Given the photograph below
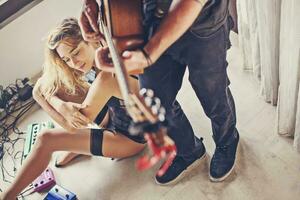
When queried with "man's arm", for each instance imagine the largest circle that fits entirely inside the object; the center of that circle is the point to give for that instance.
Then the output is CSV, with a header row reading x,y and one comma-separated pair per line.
x,y
181,16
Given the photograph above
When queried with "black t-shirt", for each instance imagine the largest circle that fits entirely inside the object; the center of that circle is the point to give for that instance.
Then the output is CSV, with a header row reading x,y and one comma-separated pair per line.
x,y
211,18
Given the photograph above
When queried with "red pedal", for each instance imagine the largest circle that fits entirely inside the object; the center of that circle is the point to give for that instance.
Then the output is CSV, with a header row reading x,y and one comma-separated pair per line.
x,y
44,181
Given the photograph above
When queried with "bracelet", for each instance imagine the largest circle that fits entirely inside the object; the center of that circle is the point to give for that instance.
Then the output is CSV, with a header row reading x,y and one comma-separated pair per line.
x,y
149,61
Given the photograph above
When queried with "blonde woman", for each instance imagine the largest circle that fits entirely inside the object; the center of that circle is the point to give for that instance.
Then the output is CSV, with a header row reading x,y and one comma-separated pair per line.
x,y
62,89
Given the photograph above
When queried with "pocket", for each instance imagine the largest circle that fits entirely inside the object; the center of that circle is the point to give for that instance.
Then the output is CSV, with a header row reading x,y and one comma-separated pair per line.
x,y
208,53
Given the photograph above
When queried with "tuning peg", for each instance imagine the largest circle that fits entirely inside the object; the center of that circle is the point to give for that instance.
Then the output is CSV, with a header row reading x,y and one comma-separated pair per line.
x,y
150,93
157,102
148,101
155,109
146,92
143,92
162,114
161,117
162,111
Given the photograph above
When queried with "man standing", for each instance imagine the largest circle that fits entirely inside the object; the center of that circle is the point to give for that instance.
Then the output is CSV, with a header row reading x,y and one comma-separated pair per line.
x,y
191,34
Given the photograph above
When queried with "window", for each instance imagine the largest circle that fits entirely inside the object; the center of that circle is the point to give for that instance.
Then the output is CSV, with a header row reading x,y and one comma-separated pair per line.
x,y
11,9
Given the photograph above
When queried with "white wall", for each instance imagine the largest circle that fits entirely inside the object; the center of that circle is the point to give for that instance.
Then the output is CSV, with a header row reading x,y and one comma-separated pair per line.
x,y
21,44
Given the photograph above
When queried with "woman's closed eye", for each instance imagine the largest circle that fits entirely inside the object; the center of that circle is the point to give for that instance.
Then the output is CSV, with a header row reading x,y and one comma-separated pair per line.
x,y
76,52
66,60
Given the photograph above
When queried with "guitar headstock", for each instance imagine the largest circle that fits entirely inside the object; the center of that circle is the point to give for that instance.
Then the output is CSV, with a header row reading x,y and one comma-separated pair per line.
x,y
149,119
147,113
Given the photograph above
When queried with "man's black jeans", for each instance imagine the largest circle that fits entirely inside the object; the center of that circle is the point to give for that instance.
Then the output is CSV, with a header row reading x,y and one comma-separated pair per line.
x,y
205,58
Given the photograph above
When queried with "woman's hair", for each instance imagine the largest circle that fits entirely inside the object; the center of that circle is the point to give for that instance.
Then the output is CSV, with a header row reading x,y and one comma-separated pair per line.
x,y
57,74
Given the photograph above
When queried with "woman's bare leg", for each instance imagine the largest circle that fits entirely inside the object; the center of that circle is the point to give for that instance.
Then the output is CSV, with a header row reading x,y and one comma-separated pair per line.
x,y
49,141
66,157
119,146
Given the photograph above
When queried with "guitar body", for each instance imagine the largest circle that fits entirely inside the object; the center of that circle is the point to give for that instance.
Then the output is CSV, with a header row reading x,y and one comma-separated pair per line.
x,y
124,19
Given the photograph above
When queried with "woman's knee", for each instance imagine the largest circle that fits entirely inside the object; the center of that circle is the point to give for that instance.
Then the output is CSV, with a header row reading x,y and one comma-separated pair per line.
x,y
45,138
139,147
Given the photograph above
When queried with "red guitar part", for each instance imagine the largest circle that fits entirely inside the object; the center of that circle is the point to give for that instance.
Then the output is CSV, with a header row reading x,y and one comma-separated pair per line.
x,y
168,152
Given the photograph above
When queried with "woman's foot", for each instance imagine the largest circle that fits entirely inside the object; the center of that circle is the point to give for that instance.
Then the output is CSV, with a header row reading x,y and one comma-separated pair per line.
x,y
65,158
6,196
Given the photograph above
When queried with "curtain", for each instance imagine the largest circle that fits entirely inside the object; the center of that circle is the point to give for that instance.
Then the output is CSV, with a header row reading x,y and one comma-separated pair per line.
x,y
269,36
288,112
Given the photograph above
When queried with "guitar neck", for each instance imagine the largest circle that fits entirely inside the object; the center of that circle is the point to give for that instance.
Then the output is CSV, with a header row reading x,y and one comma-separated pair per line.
x,y
121,73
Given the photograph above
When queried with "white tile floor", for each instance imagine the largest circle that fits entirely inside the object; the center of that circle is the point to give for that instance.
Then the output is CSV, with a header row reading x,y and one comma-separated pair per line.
x,y
268,168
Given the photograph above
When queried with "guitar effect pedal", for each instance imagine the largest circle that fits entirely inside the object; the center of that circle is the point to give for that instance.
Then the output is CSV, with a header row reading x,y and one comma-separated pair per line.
x,y
45,181
60,193
32,132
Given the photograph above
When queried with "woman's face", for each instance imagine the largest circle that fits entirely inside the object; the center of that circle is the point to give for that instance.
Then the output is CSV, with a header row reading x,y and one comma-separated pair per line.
x,y
80,57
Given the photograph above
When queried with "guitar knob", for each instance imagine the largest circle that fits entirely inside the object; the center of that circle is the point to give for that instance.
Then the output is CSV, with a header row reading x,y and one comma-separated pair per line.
x,y
162,111
162,114
150,93
157,102
161,117
143,92
148,101
155,109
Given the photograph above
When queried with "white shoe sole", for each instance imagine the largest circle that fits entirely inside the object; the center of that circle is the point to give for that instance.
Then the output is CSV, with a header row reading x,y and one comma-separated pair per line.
x,y
184,172
229,172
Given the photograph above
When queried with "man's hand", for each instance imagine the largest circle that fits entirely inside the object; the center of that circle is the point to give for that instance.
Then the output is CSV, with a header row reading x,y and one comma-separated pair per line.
x,y
88,21
134,61
103,60
181,16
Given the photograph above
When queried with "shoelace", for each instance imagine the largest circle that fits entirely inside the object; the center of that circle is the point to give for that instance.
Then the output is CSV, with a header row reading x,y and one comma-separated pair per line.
x,y
176,163
221,151
222,148
220,155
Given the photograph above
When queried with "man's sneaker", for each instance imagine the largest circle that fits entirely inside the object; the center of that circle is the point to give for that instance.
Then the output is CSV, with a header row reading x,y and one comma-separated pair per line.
x,y
179,169
223,160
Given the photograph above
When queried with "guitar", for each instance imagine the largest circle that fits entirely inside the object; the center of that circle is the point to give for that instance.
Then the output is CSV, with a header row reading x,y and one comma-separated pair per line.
x,y
146,111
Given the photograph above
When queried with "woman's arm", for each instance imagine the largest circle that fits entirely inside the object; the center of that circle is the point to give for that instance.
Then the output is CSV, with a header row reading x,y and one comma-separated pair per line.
x,y
102,89
63,108
39,98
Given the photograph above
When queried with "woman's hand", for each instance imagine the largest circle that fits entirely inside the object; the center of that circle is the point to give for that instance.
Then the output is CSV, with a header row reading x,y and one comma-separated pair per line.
x,y
73,116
